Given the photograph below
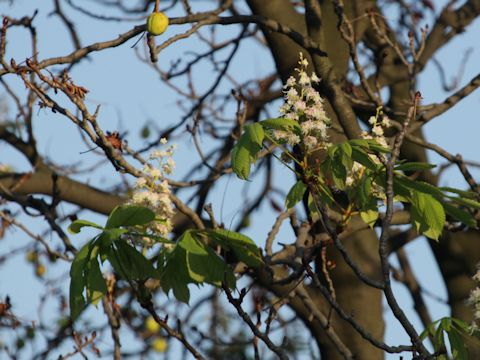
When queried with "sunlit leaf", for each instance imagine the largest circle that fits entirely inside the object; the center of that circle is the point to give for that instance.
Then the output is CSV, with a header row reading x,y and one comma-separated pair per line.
x,y
428,215
76,226
129,215
295,195
414,166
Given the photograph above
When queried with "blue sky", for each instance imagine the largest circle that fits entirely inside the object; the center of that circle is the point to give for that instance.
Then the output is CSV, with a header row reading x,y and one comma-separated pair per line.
x,y
130,93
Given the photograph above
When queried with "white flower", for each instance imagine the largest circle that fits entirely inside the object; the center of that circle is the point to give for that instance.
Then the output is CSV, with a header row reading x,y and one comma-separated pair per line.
x,y
474,296
152,191
292,95
377,130
372,120
315,78
310,142
141,182
385,121
293,139
476,277
304,79
163,141
300,105
303,62
291,82
155,173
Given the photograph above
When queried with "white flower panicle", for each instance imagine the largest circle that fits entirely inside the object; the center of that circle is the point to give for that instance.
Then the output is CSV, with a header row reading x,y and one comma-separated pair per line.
x,y
152,191
304,105
474,301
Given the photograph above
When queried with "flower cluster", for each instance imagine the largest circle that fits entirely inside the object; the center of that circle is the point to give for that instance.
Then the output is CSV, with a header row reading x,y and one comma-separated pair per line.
x,y
152,191
474,301
378,123
304,104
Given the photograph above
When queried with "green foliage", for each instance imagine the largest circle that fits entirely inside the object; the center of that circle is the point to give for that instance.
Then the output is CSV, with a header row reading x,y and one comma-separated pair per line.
x,y
429,205
192,260
245,151
427,214
296,193
456,330
76,226
129,215
243,248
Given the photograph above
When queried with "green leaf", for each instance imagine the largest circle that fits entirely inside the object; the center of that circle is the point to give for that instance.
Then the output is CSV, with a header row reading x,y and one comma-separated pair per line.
x,y
359,143
414,166
418,186
130,263
174,272
375,146
78,281
460,215
364,192
465,202
203,264
242,246
459,350
346,148
96,286
362,157
255,133
241,162
295,194
77,225
129,215
369,217
462,193
339,174
428,215
280,124
110,235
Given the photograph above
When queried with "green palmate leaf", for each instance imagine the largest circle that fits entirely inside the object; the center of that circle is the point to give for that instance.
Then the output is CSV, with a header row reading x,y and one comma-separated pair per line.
x,y
457,345
77,225
428,215
244,249
346,158
130,263
78,281
375,146
465,202
364,192
158,239
414,166
418,186
462,193
280,124
255,134
346,148
369,217
295,195
204,265
174,273
129,215
110,235
95,284
324,192
332,150
241,162
339,174
361,156
460,215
